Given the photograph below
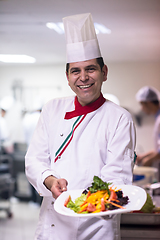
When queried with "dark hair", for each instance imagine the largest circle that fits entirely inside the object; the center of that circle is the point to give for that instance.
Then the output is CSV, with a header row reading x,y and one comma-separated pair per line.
x,y
155,102
99,61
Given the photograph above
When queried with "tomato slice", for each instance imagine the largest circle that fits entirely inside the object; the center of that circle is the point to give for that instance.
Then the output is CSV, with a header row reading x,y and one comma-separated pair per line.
x,y
113,196
67,201
91,207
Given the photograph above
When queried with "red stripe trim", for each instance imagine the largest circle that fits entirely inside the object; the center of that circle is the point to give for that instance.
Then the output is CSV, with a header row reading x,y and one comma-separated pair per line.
x,y
69,140
81,110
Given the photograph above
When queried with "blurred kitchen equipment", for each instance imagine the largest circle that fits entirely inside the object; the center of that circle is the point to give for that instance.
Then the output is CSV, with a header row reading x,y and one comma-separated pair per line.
x,y
138,225
155,188
144,175
6,183
140,218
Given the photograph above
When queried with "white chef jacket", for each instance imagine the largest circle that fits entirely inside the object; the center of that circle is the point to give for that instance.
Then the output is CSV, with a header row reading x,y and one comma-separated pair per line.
x,y
157,132
156,136
102,143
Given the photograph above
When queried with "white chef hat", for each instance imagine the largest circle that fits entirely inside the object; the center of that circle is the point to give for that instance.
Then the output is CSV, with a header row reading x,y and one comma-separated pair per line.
x,y
81,38
148,94
6,103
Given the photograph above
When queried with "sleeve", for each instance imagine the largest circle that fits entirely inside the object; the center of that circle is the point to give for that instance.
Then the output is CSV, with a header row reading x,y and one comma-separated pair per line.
x,y
37,159
120,153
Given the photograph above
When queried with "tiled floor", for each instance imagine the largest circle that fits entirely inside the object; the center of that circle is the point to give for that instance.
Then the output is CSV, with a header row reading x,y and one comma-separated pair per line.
x,y
22,225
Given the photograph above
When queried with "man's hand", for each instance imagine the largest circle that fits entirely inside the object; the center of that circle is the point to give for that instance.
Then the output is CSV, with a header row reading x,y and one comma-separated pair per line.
x,y
56,186
139,158
148,159
147,162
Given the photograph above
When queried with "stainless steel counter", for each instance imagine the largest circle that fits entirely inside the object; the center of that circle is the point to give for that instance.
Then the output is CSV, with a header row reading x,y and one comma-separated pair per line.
x,y
137,232
141,226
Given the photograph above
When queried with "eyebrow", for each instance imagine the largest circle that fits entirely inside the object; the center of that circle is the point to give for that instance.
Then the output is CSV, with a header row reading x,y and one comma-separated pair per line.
x,y
74,68
91,66
78,68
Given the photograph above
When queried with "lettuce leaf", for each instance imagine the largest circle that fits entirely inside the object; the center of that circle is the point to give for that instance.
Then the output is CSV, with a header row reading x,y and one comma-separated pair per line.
x,y
98,184
75,206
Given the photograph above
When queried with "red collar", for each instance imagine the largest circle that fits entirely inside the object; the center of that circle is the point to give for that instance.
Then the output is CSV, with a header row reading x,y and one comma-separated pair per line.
x,y
81,110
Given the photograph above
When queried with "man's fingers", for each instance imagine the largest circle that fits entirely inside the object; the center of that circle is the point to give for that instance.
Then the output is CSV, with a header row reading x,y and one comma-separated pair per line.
x,y
63,184
59,186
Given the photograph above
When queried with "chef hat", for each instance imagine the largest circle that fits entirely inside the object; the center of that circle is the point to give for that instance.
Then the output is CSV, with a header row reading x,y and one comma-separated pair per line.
x,y
81,38
148,94
6,103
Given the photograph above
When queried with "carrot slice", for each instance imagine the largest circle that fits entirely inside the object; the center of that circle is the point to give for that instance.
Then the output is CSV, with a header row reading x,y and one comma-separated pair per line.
x,y
83,203
103,208
88,194
119,206
83,208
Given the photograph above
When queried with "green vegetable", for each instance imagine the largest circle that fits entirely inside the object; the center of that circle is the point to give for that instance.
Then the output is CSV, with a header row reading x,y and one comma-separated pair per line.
x,y
98,184
148,206
75,206
80,200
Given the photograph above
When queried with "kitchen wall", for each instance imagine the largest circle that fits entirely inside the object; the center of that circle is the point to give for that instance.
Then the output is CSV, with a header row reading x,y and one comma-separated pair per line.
x,y
124,79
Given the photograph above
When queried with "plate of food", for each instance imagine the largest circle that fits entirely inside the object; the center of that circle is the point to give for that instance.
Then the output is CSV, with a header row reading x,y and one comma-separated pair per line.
x,y
100,199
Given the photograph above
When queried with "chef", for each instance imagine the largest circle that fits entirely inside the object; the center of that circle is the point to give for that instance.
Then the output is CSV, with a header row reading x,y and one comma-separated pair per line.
x,y
79,137
6,145
149,99
30,120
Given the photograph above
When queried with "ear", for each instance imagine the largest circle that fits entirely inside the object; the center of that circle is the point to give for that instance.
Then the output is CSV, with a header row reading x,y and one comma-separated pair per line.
x,y
105,72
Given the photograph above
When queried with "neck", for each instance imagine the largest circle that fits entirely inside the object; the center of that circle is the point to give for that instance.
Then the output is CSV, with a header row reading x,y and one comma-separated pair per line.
x,y
86,102
82,110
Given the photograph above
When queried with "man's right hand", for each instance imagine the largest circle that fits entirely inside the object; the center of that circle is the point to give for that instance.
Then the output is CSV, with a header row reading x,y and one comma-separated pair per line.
x,y
56,186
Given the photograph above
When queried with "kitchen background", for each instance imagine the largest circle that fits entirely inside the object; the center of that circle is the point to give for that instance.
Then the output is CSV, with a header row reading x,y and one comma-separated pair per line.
x,y
130,47
30,83
129,38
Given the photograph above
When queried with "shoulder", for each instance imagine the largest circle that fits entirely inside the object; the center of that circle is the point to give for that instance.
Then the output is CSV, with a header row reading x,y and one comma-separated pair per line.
x,y
115,110
55,109
58,103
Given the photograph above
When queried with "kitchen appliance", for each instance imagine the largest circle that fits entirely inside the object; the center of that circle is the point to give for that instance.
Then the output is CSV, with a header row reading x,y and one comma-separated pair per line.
x,y
143,175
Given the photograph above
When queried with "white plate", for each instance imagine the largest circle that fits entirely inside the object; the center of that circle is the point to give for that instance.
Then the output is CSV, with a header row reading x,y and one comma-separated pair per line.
x,y
137,198
155,185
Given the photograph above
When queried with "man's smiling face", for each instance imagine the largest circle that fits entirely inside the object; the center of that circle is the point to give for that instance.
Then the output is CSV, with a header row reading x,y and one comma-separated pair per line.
x,y
85,79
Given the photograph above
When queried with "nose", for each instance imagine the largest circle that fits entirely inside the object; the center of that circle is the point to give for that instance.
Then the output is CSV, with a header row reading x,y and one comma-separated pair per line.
x,y
84,76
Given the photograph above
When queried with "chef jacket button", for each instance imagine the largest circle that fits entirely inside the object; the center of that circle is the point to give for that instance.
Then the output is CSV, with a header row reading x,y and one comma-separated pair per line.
x,y
52,203
59,157
52,225
61,134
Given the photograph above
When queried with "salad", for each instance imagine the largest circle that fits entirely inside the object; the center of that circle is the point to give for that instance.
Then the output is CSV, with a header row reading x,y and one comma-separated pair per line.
x,y
99,197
